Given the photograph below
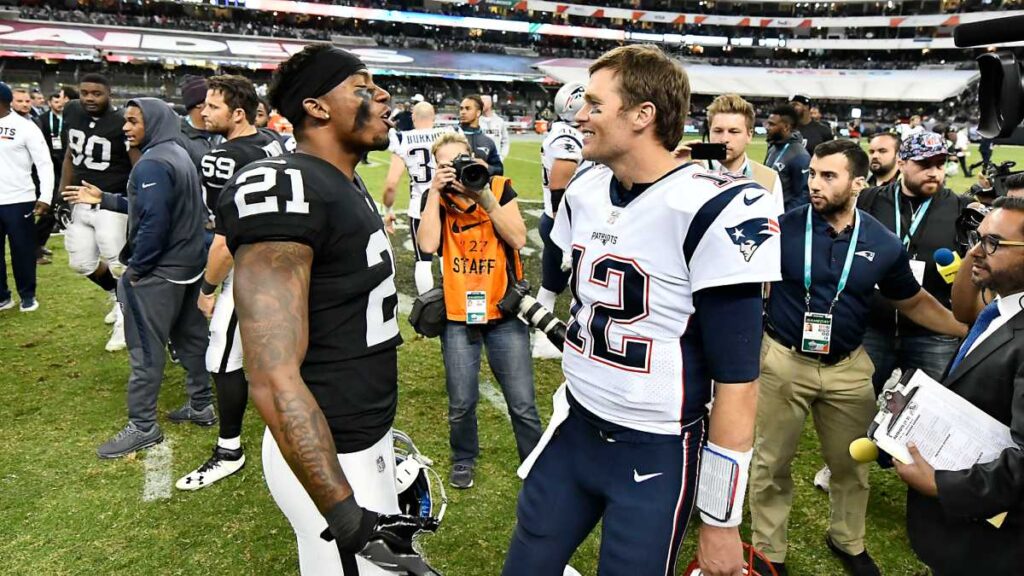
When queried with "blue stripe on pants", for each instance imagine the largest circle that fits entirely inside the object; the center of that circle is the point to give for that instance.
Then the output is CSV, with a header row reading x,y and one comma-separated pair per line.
x,y
643,487
18,224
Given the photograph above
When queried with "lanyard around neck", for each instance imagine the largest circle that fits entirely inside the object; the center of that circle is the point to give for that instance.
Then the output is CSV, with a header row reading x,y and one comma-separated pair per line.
x,y
847,266
916,220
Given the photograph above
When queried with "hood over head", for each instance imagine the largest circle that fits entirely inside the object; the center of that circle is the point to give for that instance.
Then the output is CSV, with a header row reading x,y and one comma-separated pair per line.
x,y
161,122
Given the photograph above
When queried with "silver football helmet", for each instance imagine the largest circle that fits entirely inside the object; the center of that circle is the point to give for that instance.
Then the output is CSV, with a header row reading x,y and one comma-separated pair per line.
x,y
569,101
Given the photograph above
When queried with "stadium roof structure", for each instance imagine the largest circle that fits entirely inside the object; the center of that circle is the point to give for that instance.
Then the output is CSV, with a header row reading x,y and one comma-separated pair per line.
x,y
920,85
63,41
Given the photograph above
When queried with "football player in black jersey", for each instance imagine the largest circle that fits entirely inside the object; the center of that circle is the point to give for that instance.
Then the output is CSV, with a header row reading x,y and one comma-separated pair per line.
x,y
317,309
229,112
97,154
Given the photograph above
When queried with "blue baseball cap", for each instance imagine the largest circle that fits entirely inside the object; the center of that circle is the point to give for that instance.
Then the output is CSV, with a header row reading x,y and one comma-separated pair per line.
x,y
6,96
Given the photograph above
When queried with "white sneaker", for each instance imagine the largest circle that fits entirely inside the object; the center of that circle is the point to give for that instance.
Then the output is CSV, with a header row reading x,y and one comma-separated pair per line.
x,y
543,348
111,316
222,464
822,479
116,341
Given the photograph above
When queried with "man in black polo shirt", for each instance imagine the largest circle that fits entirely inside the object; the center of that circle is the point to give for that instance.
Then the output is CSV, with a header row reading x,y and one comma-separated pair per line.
x,y
812,361
922,212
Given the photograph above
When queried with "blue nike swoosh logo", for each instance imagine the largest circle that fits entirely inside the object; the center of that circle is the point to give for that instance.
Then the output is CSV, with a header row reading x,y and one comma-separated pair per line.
x,y
750,201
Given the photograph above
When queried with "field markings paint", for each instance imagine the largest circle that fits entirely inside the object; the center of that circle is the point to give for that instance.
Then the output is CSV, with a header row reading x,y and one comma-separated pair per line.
x,y
491,393
157,465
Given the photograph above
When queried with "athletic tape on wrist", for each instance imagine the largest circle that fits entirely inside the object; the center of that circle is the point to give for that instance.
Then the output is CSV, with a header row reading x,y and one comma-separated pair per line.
x,y
722,486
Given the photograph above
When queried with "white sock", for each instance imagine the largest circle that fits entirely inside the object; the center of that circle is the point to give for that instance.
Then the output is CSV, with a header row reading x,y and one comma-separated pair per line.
x,y
230,443
424,277
547,298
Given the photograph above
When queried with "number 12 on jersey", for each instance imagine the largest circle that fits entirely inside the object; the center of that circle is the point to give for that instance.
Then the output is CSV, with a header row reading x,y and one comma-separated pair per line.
x,y
624,302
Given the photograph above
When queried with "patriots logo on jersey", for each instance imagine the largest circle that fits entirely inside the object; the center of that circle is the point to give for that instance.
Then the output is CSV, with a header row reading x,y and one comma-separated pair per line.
x,y
569,146
749,235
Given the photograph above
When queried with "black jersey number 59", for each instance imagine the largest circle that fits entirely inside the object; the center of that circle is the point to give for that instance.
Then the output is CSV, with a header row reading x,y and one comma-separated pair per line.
x,y
628,305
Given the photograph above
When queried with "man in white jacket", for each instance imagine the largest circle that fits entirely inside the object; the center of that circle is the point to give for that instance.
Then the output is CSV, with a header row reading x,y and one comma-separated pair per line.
x,y
21,146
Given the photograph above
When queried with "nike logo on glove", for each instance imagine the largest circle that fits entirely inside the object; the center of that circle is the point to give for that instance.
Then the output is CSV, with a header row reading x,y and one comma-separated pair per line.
x,y
638,477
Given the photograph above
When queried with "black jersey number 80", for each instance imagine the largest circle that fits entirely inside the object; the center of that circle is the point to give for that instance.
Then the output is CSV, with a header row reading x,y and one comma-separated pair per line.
x,y
629,305
93,151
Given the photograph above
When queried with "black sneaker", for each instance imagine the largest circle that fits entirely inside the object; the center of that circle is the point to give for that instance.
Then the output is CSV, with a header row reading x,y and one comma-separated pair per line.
x,y
204,417
763,569
857,565
222,464
130,439
462,476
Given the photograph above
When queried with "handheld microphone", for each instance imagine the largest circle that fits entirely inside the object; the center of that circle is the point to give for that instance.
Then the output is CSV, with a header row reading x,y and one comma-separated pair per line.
x,y
863,450
948,264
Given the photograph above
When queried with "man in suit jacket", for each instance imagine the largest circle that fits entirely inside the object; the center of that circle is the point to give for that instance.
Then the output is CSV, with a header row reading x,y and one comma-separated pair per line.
x,y
947,510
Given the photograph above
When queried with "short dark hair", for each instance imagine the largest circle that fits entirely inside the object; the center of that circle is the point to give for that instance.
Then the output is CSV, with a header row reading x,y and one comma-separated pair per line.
x,y
788,113
238,92
895,137
1014,181
1009,203
70,92
266,104
285,75
856,158
477,100
94,78
53,95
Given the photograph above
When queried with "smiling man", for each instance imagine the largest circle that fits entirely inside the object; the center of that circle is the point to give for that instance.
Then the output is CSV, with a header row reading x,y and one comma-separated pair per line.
x,y
668,261
164,259
318,312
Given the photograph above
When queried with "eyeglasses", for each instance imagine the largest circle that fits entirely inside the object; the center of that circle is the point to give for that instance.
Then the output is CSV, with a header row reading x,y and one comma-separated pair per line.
x,y
991,243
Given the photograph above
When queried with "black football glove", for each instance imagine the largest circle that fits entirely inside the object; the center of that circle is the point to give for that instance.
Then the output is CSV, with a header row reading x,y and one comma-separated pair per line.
x,y
349,525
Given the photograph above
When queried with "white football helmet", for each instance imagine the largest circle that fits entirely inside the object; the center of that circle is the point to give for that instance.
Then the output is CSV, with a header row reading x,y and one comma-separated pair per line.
x,y
417,481
569,101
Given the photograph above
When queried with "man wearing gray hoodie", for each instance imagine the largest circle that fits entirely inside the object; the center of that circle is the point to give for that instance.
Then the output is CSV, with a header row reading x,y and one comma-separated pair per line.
x,y
165,255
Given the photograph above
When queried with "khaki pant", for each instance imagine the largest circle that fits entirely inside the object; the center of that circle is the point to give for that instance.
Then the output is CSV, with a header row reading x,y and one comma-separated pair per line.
x,y
842,401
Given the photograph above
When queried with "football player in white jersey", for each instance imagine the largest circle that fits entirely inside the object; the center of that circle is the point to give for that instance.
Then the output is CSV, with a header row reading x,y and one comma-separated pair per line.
x,y
560,156
410,151
668,264
495,127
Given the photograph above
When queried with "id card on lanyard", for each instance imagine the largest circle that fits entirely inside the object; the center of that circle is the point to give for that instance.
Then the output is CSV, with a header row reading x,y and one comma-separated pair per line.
x,y
817,328
55,142
916,266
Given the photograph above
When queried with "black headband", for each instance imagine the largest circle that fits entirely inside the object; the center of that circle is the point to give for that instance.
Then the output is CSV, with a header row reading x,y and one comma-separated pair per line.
x,y
326,69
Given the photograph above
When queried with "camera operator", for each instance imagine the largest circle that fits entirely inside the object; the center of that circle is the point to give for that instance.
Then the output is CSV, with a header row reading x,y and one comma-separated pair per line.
x,y
474,220
967,298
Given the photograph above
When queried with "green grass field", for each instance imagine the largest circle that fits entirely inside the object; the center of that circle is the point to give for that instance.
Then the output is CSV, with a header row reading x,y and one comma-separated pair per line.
x,y
63,511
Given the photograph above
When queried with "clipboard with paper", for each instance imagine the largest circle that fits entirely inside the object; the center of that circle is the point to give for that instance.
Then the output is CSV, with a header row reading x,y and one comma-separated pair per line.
x,y
950,432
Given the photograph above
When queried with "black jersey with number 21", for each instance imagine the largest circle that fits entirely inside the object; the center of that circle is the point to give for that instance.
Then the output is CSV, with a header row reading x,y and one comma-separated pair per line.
x,y
353,303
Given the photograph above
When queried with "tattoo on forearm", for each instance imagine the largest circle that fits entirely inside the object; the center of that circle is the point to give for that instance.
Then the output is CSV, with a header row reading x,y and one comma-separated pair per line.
x,y
272,303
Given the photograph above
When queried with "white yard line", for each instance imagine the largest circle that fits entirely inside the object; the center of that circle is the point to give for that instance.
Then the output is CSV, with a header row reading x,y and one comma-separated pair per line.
x,y
534,237
491,393
157,464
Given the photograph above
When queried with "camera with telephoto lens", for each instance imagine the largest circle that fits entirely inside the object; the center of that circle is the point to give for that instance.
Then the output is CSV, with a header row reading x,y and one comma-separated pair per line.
x,y
518,301
473,175
1001,88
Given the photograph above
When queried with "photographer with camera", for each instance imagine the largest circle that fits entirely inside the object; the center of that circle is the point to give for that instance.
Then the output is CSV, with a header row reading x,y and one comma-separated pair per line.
x,y
474,219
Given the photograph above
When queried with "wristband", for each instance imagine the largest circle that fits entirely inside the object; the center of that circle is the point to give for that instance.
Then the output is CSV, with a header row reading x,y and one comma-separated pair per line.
x,y
207,289
722,485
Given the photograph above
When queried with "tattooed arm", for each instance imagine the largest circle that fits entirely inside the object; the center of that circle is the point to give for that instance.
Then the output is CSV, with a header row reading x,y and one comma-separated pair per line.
x,y
272,302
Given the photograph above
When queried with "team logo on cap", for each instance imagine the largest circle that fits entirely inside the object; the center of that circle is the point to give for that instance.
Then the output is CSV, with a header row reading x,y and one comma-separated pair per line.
x,y
751,234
